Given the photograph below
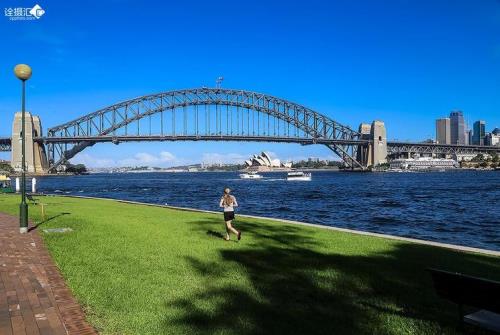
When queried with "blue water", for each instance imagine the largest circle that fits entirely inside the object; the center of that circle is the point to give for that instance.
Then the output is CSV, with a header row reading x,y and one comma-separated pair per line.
x,y
454,207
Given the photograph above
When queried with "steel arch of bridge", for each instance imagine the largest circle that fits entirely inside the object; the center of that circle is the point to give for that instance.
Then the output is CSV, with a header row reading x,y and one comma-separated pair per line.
x,y
203,114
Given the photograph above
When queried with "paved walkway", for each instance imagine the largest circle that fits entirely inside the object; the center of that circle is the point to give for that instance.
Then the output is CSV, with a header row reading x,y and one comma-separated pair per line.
x,y
34,298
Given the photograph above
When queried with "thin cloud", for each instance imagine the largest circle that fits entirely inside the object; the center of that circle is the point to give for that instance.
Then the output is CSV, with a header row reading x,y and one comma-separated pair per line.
x,y
41,36
163,159
92,161
218,158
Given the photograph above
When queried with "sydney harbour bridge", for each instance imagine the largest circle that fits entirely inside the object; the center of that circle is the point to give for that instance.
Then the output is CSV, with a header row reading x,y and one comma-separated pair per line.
x,y
214,114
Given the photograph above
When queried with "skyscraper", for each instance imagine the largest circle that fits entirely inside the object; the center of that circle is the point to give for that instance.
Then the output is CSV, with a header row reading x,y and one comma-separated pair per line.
x,y
468,137
457,128
479,133
443,131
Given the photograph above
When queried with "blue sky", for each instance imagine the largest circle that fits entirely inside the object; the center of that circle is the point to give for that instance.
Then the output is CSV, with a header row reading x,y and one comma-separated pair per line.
x,y
404,62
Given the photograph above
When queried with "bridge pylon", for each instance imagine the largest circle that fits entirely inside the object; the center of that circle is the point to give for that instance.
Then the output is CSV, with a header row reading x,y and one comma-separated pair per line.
x,y
364,154
379,143
36,158
375,152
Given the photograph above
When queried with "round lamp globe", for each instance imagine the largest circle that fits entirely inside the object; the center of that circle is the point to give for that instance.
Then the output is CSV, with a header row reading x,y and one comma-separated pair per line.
x,y
22,71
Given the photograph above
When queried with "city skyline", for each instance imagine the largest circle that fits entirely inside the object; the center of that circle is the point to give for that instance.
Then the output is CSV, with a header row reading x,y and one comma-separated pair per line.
x,y
381,64
454,130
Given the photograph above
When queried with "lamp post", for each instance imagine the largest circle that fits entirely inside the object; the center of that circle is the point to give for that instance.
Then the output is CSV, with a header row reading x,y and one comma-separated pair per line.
x,y
23,73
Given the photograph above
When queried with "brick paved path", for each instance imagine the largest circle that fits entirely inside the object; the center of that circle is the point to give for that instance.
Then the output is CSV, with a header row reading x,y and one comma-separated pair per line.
x,y
34,298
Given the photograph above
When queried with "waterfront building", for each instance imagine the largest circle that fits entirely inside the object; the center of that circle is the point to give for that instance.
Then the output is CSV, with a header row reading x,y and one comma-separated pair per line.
x,y
443,131
492,139
457,128
463,157
495,139
479,132
264,162
423,163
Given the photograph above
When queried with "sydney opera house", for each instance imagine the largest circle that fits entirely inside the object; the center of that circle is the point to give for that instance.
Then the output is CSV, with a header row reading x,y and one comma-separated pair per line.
x,y
264,162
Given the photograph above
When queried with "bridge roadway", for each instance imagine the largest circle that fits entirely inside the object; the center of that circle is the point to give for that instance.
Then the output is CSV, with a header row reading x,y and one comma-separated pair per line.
x,y
393,147
238,138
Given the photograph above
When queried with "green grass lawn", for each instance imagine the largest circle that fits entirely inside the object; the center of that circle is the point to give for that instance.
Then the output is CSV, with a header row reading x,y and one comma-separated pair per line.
x,y
147,270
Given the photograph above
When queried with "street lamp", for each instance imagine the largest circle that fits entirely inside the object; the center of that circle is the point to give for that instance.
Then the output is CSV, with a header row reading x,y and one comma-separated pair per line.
x,y
23,72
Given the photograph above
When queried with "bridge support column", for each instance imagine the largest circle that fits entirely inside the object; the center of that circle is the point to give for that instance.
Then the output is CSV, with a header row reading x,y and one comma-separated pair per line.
x,y
36,159
364,153
379,143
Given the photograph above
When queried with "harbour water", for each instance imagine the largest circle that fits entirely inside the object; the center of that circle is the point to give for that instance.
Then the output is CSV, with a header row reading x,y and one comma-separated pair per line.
x,y
460,207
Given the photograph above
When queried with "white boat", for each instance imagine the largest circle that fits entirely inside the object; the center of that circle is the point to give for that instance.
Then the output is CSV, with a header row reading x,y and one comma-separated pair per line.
x,y
299,176
250,175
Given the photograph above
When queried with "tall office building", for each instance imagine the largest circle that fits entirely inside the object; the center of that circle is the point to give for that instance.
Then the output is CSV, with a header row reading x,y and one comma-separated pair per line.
x,y
468,137
479,133
457,128
443,131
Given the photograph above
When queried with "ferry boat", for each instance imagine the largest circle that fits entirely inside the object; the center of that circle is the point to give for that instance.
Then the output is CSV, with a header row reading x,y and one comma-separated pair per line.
x,y
251,175
298,176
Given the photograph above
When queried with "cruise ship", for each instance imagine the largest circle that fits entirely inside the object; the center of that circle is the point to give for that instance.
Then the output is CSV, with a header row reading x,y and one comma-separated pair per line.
x,y
423,163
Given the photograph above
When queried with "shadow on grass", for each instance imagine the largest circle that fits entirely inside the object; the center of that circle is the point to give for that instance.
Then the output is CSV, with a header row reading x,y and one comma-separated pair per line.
x,y
215,234
47,220
220,235
296,289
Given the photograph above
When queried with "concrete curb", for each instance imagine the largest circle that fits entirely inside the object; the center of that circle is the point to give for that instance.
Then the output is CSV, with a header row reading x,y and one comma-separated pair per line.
x,y
345,230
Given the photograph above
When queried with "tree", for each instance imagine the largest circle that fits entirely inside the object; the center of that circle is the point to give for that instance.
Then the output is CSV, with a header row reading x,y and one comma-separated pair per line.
x,y
4,166
478,158
76,169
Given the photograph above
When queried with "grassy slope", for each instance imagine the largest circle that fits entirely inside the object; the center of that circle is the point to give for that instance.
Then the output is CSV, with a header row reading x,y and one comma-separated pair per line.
x,y
148,270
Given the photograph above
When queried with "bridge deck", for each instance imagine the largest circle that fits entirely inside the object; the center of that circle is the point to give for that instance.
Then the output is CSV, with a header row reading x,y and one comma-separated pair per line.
x,y
249,138
393,146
